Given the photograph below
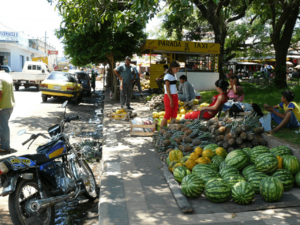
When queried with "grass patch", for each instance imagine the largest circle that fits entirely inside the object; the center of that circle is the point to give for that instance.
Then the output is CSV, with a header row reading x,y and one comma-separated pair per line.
x,y
261,95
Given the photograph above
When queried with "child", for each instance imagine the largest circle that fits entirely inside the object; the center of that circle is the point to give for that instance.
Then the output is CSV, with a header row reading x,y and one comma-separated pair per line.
x,y
291,117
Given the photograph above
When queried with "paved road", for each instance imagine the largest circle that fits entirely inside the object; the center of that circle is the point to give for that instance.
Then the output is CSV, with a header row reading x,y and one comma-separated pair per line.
x,y
32,114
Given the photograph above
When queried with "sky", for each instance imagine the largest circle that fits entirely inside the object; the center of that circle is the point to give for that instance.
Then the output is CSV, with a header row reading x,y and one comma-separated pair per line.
x,y
35,17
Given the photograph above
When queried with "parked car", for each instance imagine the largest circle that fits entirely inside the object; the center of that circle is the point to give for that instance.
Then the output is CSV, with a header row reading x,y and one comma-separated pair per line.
x,y
61,84
33,74
7,69
85,81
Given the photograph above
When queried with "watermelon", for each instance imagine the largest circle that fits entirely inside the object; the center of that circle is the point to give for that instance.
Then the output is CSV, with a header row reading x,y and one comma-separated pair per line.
x,y
248,170
247,150
256,151
291,163
297,179
286,178
233,179
271,189
237,158
192,186
217,159
255,179
217,190
229,170
281,150
184,159
222,165
213,166
212,147
168,161
243,193
199,168
266,162
208,175
180,172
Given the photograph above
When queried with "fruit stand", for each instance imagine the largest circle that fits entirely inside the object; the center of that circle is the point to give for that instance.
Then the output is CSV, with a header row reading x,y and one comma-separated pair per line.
x,y
225,159
200,59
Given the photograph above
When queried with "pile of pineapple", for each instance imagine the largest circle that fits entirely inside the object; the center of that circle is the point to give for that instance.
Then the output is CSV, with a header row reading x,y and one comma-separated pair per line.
x,y
119,117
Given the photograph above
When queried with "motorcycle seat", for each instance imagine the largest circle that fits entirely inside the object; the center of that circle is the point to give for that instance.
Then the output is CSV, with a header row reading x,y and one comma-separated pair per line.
x,y
37,158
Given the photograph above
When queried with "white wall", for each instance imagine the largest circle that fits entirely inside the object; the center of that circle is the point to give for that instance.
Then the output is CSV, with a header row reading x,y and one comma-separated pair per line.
x,y
16,52
201,81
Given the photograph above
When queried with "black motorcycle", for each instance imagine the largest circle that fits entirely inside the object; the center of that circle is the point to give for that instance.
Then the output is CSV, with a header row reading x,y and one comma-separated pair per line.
x,y
35,183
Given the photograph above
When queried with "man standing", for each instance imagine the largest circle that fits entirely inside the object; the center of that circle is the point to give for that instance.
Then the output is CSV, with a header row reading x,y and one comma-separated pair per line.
x,y
186,90
124,73
160,79
93,80
7,102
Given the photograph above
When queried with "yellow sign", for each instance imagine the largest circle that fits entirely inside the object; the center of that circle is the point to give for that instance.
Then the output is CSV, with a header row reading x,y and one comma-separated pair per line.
x,y
181,46
40,59
16,161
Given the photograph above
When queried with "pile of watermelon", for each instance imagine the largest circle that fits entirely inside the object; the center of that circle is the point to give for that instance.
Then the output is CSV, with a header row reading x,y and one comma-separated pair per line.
x,y
241,174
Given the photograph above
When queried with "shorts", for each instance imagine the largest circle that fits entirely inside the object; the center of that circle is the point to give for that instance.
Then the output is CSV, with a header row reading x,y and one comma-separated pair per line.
x,y
194,115
293,123
170,112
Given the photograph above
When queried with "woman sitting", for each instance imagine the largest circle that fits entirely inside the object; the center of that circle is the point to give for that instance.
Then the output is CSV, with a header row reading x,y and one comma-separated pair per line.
x,y
217,101
235,92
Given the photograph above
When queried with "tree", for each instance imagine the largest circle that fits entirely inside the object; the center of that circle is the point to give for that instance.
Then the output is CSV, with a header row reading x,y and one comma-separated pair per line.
x,y
282,16
88,38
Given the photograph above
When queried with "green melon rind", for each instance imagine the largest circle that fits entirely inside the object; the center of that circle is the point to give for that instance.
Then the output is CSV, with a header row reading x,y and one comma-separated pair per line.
x,y
201,167
212,147
208,175
271,189
256,151
255,178
192,186
222,165
291,163
242,193
229,170
217,190
286,178
281,150
180,172
217,159
266,163
237,158
248,170
233,179
297,179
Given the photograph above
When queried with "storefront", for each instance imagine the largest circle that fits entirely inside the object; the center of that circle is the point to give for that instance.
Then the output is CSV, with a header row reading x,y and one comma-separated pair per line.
x,y
200,60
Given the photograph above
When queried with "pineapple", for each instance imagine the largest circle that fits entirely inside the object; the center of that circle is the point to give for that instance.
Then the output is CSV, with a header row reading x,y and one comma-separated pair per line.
x,y
239,140
226,145
187,140
184,129
244,135
249,145
230,149
188,132
220,138
187,148
167,135
231,141
220,143
238,130
254,142
196,142
166,143
181,147
250,137
179,127
182,136
177,140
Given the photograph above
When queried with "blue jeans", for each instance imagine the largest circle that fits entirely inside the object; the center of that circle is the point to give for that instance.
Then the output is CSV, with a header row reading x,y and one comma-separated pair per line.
x,y
293,123
4,128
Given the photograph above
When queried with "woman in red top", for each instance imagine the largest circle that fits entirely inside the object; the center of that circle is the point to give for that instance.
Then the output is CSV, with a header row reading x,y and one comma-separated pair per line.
x,y
217,100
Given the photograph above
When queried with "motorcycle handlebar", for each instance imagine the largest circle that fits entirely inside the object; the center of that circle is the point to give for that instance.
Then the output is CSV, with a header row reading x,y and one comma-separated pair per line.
x,y
72,118
29,139
34,136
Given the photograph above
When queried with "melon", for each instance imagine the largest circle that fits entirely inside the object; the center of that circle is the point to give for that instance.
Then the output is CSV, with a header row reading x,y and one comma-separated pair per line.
x,y
237,158
171,165
208,175
286,178
213,167
256,151
217,190
168,161
297,179
291,163
212,147
192,186
233,179
248,170
243,193
247,150
217,159
281,150
184,159
271,189
229,170
221,152
175,155
222,165
201,167
180,172
255,179
208,153
266,162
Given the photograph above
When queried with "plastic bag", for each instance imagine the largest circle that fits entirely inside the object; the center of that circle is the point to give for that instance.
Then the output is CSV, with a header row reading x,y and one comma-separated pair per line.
x,y
148,121
266,122
137,121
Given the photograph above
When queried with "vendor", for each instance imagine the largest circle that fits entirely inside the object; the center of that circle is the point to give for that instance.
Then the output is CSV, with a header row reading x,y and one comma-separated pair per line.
x,y
217,101
171,97
235,92
186,91
160,80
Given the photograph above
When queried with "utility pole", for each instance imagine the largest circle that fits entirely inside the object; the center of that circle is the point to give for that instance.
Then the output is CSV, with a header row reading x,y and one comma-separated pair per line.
x,y
45,41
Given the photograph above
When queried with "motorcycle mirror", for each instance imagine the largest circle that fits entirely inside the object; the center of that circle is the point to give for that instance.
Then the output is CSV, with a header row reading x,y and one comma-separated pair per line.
x,y
64,104
21,132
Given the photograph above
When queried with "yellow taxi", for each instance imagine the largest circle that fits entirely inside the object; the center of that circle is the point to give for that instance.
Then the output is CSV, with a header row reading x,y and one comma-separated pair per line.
x,y
61,84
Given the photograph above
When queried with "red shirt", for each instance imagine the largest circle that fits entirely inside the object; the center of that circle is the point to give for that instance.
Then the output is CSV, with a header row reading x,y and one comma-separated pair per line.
x,y
214,100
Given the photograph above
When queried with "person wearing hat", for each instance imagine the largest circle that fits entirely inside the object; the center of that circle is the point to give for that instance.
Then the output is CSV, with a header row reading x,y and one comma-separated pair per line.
x,y
124,73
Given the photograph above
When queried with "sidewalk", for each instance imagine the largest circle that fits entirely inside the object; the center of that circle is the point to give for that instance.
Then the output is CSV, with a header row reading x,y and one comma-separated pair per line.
x,y
134,191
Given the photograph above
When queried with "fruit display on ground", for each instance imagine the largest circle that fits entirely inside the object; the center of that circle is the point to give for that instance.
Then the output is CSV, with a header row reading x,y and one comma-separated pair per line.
x,y
234,174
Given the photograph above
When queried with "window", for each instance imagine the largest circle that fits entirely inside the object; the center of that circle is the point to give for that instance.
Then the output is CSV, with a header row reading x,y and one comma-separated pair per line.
x,y
34,67
199,63
82,76
39,67
29,67
27,59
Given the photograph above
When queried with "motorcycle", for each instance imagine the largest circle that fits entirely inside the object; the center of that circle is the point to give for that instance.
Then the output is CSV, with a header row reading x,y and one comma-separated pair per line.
x,y
37,182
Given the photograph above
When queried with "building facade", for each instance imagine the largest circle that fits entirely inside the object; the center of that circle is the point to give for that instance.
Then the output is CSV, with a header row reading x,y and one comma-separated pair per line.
x,y
16,48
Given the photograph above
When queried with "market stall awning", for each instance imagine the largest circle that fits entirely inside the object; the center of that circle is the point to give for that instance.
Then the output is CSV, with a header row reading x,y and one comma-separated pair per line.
x,y
294,56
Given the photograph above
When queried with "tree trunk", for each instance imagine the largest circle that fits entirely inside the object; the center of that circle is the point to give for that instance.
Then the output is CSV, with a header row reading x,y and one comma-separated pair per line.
x,y
280,76
114,83
220,38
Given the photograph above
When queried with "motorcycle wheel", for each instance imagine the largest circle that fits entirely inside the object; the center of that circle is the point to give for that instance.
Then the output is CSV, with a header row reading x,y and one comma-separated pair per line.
x,y
90,184
20,214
